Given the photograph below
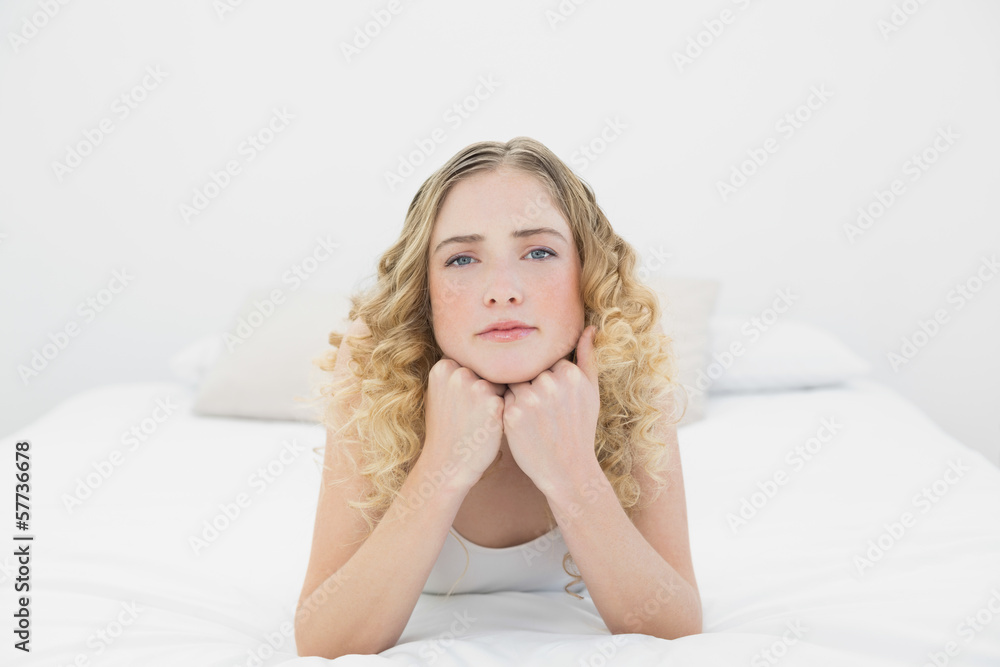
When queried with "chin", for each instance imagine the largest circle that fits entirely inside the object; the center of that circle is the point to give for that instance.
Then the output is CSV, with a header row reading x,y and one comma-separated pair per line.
x,y
501,372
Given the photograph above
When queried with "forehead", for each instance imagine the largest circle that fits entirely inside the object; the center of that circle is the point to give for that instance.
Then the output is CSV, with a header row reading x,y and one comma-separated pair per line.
x,y
503,199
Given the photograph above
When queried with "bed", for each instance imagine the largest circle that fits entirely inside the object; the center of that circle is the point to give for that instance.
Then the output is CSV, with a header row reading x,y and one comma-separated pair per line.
x,y
830,525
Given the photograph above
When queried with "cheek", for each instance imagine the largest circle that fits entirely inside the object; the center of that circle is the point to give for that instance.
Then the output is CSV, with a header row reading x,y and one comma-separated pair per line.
x,y
562,292
449,305
446,293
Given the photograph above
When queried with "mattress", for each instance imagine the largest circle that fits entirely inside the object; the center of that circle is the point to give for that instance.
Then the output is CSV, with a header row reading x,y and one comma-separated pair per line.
x,y
835,526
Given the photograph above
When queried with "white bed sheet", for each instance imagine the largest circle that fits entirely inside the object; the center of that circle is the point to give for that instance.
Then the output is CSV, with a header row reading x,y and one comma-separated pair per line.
x,y
121,563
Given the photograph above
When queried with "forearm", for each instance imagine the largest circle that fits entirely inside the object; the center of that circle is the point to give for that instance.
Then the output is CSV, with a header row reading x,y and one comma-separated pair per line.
x,y
633,587
364,606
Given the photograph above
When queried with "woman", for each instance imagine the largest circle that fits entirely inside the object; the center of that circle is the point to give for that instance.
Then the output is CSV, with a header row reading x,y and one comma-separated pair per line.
x,y
506,378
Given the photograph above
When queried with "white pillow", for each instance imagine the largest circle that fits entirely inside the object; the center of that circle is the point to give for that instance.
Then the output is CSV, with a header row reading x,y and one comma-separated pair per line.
x,y
193,361
687,306
788,354
265,375
264,369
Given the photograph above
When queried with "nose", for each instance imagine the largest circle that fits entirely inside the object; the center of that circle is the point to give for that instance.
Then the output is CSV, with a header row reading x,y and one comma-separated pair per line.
x,y
502,287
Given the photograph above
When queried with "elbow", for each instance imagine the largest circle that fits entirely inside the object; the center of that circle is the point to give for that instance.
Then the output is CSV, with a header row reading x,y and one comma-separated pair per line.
x,y
693,622
694,628
330,651
306,645
331,647
305,648
681,620
674,631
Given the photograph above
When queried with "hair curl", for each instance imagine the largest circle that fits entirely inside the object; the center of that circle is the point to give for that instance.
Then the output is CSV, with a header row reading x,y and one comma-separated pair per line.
x,y
390,365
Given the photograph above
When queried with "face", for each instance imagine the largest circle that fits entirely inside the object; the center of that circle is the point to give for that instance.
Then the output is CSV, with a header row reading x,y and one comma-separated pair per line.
x,y
502,250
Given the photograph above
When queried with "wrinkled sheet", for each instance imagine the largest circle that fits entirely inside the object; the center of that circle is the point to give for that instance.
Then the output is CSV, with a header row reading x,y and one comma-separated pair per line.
x,y
825,568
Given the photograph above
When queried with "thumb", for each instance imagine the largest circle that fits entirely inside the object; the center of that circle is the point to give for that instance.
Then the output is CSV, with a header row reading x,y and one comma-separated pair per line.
x,y
585,353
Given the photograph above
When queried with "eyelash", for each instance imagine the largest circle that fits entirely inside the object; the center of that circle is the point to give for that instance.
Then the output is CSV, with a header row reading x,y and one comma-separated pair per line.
x,y
542,259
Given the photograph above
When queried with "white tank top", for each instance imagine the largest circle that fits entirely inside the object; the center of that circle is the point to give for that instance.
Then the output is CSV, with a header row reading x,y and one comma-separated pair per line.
x,y
532,566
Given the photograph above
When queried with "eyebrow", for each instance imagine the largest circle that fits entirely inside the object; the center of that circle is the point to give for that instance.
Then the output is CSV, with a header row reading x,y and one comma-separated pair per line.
x,y
520,233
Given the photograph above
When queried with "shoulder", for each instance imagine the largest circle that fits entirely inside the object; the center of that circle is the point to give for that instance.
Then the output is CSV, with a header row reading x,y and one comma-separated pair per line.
x,y
357,329
345,376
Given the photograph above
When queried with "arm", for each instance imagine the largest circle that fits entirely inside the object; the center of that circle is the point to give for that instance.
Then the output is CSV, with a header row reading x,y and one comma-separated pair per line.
x,y
360,589
363,607
638,572
635,587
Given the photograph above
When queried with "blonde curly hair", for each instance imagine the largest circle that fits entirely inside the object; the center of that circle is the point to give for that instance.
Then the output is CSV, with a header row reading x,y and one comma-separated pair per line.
x,y
390,365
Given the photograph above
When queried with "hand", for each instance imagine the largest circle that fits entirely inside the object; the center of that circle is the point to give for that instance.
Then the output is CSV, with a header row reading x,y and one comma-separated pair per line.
x,y
463,422
551,421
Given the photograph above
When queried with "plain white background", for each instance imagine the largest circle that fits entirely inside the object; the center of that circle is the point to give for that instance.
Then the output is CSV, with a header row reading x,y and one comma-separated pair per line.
x,y
673,100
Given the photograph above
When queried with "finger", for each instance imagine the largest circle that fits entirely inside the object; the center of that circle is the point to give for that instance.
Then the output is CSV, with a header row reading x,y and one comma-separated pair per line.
x,y
585,353
508,400
499,389
517,387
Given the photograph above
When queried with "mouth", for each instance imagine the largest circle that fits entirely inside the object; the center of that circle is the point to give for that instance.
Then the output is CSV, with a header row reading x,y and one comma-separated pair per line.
x,y
506,325
507,335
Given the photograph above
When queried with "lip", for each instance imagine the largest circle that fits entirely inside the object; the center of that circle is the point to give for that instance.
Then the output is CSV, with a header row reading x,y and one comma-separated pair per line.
x,y
507,335
505,325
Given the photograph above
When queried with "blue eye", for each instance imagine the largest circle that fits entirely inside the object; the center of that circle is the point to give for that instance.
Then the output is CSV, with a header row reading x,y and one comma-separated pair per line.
x,y
543,250
455,259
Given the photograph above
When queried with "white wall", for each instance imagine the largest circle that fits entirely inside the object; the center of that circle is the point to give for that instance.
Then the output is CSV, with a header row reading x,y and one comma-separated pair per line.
x,y
684,129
